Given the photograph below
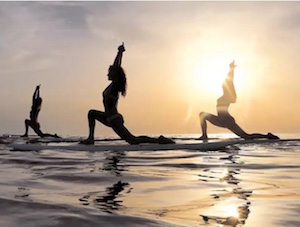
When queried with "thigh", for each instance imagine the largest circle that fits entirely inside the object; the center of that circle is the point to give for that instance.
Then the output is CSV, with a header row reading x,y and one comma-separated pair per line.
x,y
123,132
33,124
215,120
118,126
229,122
99,116
236,129
36,128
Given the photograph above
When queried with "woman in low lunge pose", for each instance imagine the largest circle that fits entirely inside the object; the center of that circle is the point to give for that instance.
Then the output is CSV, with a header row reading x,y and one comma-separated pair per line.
x,y
33,122
224,119
111,117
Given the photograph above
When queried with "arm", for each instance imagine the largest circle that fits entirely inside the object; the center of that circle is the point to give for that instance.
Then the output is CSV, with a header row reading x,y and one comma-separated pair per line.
x,y
231,71
118,59
228,85
36,94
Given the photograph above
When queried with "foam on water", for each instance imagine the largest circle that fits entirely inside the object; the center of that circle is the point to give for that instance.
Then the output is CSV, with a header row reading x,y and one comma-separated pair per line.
x,y
244,185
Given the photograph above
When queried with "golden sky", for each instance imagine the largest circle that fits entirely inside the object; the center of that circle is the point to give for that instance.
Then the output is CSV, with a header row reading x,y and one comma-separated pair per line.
x,y
177,55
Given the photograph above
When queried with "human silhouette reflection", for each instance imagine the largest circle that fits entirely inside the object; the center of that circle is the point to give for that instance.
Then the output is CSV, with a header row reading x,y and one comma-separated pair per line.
x,y
111,201
242,210
228,176
33,122
111,117
232,159
112,163
223,118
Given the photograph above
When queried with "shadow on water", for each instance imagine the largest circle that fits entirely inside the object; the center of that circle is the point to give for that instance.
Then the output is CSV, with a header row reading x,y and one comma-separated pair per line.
x,y
237,214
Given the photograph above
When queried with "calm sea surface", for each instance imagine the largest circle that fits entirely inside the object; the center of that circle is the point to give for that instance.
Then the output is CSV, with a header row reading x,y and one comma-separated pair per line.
x,y
255,185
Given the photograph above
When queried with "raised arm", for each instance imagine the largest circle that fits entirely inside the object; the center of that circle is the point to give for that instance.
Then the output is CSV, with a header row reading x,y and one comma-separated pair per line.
x,y
228,85
36,94
118,59
231,70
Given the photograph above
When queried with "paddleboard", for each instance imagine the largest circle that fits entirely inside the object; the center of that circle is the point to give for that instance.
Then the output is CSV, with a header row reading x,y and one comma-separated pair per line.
x,y
7,138
203,146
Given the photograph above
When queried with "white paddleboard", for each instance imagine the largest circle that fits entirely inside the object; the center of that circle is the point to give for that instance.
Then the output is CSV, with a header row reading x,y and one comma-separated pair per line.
x,y
203,146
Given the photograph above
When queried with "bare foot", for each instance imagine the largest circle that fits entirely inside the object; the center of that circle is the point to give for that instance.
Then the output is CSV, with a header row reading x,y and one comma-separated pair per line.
x,y
203,137
164,140
272,136
87,142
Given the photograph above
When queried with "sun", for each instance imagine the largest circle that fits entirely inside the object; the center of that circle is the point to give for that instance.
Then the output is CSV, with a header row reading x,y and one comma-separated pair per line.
x,y
206,75
203,75
210,74
204,64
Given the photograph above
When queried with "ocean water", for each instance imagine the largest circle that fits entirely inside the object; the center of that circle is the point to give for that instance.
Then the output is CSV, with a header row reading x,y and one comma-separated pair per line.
x,y
243,185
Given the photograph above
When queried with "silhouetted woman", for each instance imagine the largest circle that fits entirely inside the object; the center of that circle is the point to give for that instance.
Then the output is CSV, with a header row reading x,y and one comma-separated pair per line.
x,y
35,109
224,119
111,117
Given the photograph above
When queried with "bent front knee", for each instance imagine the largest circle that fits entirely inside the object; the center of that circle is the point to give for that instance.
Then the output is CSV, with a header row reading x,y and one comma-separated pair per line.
x,y
91,114
203,115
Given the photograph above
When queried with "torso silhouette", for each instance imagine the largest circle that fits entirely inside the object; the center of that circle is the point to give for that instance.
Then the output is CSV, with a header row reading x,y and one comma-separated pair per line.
x,y
110,100
35,109
228,97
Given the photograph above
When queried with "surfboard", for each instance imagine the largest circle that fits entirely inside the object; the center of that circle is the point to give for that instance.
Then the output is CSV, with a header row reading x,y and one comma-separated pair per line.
x,y
203,146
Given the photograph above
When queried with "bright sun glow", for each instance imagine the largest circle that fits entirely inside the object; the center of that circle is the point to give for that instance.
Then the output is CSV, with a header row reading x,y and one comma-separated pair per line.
x,y
231,211
205,66
208,75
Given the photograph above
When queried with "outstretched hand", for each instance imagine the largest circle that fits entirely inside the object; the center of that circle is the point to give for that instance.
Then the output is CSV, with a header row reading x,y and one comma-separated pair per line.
x,y
121,48
232,65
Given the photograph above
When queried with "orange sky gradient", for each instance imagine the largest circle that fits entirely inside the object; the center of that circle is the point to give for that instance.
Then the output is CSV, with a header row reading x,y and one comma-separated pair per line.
x,y
177,55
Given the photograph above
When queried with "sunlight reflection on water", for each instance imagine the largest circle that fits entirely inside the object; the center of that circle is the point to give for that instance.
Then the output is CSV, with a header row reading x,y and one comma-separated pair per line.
x,y
217,188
